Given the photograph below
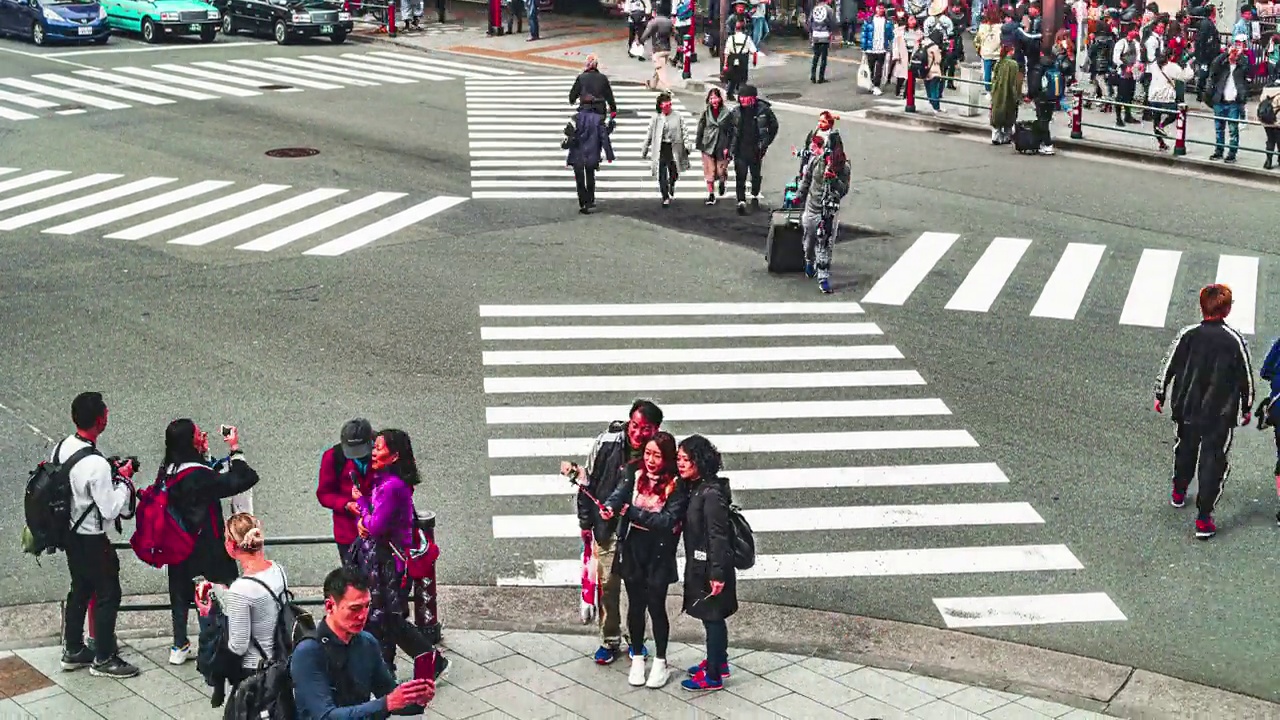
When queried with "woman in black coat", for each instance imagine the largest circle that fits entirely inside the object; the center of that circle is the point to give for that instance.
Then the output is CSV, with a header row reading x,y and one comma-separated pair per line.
x,y
710,587
196,491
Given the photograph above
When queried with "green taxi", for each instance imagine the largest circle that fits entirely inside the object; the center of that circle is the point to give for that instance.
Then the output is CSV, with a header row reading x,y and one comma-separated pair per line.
x,y
155,19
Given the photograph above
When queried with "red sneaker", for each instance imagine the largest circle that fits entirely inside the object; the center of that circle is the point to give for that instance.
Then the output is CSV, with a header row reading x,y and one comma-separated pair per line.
x,y
1177,499
1205,528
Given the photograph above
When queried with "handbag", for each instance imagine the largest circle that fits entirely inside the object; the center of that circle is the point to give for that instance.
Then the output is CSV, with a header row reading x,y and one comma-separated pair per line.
x,y
636,50
864,76
420,558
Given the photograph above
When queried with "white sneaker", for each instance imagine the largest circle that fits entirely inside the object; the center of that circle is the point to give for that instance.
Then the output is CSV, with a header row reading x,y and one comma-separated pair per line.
x,y
1046,149
636,676
178,656
658,674
877,91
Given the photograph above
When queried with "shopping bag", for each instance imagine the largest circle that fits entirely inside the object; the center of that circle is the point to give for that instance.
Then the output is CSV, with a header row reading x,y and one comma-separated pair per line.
x,y
864,77
636,51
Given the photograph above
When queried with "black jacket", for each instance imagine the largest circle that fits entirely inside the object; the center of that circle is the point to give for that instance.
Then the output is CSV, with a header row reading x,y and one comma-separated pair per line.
x,y
608,466
1208,365
766,129
596,84
1208,42
1218,71
663,528
197,499
708,550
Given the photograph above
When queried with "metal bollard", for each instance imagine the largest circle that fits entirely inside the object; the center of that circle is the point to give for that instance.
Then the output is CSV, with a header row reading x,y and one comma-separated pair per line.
x,y
1180,142
911,91
1077,116
426,608
391,18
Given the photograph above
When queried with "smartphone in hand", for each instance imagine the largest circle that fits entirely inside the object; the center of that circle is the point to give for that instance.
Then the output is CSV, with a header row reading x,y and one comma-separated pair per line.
x,y
424,666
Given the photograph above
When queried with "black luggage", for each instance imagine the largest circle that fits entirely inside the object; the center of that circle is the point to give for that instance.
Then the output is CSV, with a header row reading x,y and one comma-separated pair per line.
x,y
784,249
1024,139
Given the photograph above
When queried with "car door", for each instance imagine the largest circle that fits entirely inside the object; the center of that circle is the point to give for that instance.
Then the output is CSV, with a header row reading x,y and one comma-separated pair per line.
x,y
6,11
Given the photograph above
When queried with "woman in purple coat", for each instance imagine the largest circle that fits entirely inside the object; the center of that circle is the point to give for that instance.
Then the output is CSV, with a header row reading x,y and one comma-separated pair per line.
x,y
386,533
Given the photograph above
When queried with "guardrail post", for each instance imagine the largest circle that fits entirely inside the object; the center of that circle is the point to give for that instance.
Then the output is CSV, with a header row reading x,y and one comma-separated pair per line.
x,y
391,18
1180,141
426,608
911,91
1077,114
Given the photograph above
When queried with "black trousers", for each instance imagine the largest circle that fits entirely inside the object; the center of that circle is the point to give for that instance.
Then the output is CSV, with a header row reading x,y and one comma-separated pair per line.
x,y
877,68
741,168
344,552
1044,121
1273,138
642,599
818,70
95,573
1201,451
668,173
585,179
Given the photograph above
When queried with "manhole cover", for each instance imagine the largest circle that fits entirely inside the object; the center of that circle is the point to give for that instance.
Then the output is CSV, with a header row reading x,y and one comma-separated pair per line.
x,y
277,87
292,152
69,108
784,96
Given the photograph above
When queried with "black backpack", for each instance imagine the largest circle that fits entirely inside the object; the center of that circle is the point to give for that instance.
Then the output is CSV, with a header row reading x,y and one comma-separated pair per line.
x,y
1267,111
919,66
47,504
741,537
267,694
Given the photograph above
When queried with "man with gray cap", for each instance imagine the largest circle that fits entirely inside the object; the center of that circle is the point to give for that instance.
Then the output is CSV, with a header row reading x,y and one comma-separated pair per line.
x,y
342,466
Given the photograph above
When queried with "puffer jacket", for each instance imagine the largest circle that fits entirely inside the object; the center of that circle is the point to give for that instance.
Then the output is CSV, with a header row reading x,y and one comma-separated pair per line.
x,y
766,127
708,548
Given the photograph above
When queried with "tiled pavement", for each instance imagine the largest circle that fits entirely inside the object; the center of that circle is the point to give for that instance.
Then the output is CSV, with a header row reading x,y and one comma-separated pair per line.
x,y
536,677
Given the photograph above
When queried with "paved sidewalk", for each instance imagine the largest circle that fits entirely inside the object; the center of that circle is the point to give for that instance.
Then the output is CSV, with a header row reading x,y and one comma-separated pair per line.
x,y
532,676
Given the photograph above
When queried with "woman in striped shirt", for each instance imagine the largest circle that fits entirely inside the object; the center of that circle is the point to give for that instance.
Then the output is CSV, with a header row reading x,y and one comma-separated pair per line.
x,y
250,602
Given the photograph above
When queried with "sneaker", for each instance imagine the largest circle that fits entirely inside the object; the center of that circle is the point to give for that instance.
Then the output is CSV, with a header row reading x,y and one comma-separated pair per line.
x,y
1046,149
113,667
1216,156
1230,159
877,91
1277,523
658,674
666,202
711,199
742,208
1205,528
77,660
179,655
606,655
809,272
701,683
1177,499
636,677
702,668
825,286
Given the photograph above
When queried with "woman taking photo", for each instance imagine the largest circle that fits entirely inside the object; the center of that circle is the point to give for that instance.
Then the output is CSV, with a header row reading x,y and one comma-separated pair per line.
x,y
652,507
386,534
196,492
666,133
710,592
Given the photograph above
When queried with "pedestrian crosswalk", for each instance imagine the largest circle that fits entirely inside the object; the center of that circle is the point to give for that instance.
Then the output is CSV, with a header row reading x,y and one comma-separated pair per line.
x,y
515,127
262,218
77,92
800,397
1078,267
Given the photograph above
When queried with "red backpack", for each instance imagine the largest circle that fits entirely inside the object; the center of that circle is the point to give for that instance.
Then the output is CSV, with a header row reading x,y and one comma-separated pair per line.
x,y
159,537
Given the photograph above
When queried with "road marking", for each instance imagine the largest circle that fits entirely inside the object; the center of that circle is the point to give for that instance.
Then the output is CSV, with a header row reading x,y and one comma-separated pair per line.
x,y
315,224
791,479
897,284
1152,288
368,70
864,563
64,94
558,195
1240,273
637,332
384,227
727,381
573,414
257,217
192,214
987,278
188,82
971,612
27,100
56,190
801,519
489,70
221,77
6,171
166,48
289,72
32,179
629,356
763,443
127,211
395,66
80,203
270,78
10,114
104,89
396,61
145,85
341,71
1065,291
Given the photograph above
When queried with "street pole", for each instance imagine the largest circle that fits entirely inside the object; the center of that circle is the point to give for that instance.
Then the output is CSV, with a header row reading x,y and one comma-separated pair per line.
x,y
495,17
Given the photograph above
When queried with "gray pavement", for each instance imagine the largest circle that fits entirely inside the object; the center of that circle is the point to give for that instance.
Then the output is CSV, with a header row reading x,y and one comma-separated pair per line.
x,y
288,345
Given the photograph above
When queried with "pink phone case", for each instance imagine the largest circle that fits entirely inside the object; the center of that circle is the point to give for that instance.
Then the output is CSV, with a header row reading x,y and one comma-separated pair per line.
x,y
424,666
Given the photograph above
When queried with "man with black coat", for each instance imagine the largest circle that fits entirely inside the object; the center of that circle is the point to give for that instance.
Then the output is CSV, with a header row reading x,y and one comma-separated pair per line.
x,y
1208,366
751,128
593,84
1208,45
1229,88
614,460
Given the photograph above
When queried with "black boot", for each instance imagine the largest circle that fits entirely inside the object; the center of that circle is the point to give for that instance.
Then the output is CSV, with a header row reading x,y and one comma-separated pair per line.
x,y
1268,164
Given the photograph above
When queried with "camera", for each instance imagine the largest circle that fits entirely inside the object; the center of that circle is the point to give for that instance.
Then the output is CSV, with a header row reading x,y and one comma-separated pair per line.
x,y
130,462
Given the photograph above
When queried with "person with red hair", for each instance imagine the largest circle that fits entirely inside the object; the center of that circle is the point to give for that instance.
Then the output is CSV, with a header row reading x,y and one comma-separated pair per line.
x,y
1208,366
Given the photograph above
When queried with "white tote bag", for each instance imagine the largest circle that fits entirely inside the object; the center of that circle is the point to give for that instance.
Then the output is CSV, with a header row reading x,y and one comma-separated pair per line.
x,y
636,51
864,77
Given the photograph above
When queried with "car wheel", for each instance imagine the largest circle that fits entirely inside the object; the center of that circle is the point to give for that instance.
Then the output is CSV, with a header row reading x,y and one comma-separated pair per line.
x,y
228,25
282,33
339,38
37,33
151,33
208,33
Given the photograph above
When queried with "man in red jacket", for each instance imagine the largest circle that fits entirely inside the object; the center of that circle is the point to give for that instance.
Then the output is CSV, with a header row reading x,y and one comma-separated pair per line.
x,y
342,466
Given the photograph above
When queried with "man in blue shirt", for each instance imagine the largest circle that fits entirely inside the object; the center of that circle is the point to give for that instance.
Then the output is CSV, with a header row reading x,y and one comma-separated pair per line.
x,y
341,676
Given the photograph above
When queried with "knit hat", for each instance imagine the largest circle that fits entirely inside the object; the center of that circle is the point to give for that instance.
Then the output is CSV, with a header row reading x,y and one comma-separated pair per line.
x,y
747,91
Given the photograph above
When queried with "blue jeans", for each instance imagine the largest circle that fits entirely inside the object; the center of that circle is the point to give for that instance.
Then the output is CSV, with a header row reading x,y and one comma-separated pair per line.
x,y
533,18
759,30
933,90
1230,111
987,67
717,647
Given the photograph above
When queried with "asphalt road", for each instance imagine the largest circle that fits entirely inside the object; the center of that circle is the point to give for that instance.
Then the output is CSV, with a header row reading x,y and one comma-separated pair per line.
x,y
288,345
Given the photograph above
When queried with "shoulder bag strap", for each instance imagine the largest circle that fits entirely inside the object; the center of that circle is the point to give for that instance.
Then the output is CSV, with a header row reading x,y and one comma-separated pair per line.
x,y
71,462
278,599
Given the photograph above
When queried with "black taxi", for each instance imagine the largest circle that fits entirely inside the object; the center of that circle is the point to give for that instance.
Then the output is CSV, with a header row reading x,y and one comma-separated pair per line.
x,y
286,20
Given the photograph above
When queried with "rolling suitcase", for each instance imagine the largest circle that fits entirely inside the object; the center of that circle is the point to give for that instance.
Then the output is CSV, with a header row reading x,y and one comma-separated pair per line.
x,y
784,249
1024,139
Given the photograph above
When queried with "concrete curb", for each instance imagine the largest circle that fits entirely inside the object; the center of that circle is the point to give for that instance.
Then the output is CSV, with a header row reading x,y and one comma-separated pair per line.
x,y
1069,679
1084,146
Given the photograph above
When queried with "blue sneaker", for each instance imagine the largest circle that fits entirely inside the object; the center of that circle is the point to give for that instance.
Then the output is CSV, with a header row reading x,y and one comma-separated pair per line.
x,y
644,652
809,272
825,286
702,668
606,655
701,683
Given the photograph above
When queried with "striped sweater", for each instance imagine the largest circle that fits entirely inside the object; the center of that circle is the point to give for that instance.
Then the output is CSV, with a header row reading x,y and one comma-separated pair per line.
x,y
251,612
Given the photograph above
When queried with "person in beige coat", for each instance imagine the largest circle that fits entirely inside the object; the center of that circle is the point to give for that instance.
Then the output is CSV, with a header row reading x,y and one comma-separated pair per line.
x,y
906,38
666,133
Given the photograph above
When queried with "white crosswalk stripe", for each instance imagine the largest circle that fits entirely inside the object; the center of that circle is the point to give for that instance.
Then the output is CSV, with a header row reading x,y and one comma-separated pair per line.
x,y
865,389
202,213
518,124
1151,280
77,92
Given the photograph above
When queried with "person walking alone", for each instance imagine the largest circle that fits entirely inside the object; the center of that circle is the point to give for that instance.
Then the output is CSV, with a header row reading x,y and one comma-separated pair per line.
x,y
666,132
586,139
822,24
659,31
1208,366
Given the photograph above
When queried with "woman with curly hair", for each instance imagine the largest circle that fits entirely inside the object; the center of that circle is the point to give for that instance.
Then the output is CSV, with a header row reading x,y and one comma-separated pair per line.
x,y
652,507
710,588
